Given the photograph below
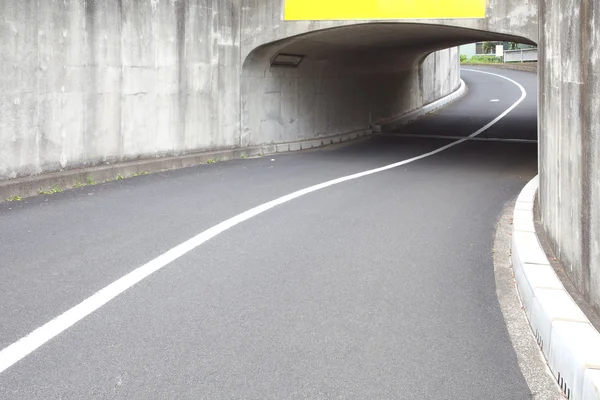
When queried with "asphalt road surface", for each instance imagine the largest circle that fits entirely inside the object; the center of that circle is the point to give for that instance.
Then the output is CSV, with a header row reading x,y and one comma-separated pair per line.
x,y
380,287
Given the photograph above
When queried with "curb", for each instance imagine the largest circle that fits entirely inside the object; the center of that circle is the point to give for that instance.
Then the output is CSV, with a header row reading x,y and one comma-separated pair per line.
x,y
525,67
32,185
567,339
394,123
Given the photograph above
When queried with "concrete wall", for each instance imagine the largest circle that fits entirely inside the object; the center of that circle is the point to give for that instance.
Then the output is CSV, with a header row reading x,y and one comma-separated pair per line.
x,y
570,137
87,82
83,82
338,94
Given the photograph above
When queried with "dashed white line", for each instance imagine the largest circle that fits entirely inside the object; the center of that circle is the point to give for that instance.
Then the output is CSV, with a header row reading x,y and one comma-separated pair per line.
x,y
26,345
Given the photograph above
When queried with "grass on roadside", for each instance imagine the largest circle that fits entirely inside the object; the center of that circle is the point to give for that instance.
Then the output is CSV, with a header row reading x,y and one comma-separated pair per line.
x,y
480,59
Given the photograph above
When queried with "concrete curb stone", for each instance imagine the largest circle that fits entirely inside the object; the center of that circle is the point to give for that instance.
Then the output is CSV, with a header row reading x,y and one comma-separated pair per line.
x,y
32,185
567,339
526,67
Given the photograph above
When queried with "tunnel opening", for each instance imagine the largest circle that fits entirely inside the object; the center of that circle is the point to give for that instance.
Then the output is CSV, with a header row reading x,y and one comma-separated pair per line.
x,y
346,79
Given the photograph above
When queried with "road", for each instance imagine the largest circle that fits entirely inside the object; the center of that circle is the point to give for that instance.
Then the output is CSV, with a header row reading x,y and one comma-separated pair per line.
x,y
379,287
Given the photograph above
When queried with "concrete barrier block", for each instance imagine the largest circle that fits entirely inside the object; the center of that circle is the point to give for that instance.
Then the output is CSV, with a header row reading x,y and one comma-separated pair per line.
x,y
524,225
527,195
267,149
523,214
528,249
533,184
591,385
523,287
574,348
549,305
524,205
516,262
311,144
297,146
533,277
305,145
282,148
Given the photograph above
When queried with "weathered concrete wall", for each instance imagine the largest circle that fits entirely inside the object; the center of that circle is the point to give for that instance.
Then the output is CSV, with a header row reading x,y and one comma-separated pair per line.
x,y
570,137
84,82
336,94
87,82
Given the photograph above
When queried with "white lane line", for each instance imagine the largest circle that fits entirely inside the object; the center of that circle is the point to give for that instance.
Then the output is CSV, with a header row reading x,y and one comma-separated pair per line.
x,y
26,345
449,137
494,100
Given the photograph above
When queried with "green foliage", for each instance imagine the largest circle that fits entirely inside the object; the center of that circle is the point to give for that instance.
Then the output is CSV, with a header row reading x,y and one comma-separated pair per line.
x,y
55,189
78,184
485,59
489,47
90,181
463,58
211,161
14,198
119,177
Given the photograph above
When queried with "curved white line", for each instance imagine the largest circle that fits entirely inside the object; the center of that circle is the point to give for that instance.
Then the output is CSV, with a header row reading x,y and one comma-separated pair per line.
x,y
26,345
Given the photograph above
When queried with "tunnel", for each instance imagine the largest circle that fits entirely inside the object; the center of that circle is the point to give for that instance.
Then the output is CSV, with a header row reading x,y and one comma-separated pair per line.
x,y
345,79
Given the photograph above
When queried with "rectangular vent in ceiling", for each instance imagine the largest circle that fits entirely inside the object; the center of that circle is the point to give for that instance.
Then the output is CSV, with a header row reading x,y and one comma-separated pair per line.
x,y
286,60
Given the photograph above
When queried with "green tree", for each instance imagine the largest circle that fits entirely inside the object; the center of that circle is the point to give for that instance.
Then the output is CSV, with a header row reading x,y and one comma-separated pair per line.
x,y
489,47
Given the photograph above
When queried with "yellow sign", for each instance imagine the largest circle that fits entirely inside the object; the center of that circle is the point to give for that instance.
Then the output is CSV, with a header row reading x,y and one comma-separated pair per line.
x,y
313,10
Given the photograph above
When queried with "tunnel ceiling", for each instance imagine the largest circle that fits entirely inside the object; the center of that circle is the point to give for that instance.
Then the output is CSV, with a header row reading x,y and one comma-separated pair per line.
x,y
376,37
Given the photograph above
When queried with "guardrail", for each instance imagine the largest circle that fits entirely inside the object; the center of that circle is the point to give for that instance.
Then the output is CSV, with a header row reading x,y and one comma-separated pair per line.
x,y
521,55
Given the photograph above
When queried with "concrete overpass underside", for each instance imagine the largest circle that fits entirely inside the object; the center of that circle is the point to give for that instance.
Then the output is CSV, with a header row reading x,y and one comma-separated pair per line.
x,y
349,77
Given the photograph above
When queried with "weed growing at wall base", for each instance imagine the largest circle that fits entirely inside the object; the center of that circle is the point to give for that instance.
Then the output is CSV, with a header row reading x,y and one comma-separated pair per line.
x,y
54,189
14,198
